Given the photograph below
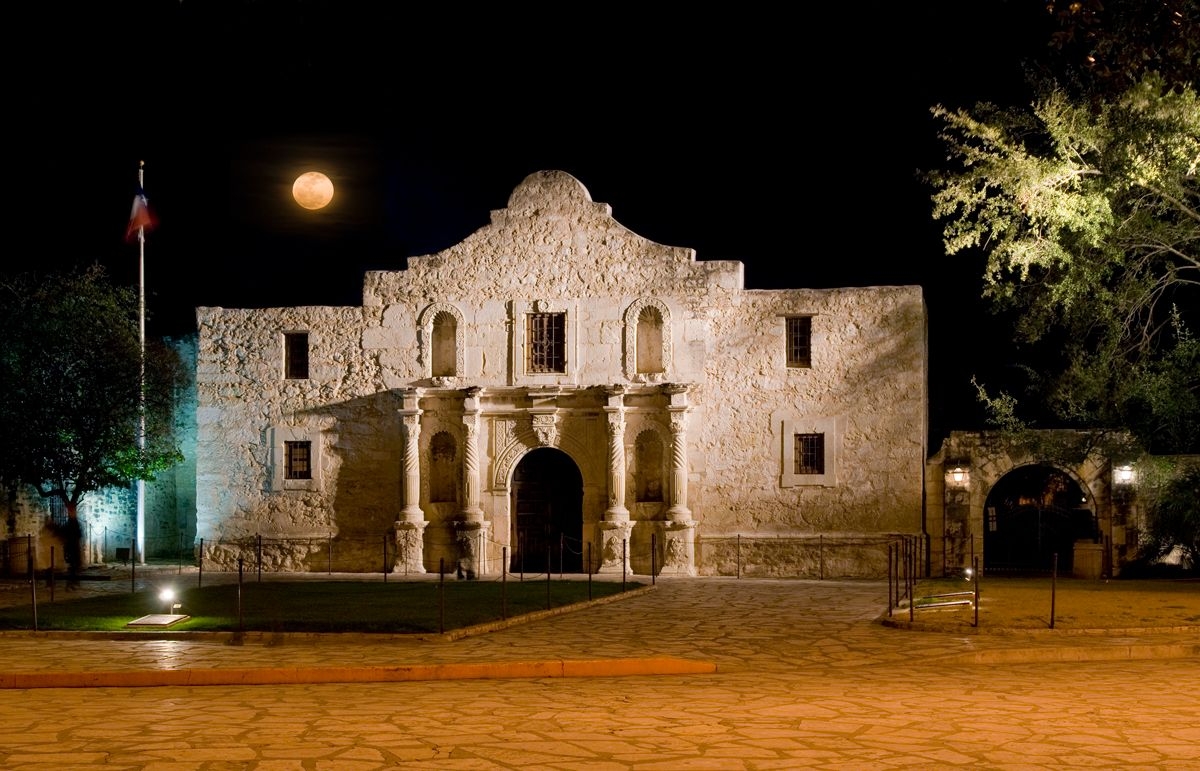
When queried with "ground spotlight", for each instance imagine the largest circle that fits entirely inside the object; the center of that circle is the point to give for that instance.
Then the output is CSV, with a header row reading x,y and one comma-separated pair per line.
x,y
167,595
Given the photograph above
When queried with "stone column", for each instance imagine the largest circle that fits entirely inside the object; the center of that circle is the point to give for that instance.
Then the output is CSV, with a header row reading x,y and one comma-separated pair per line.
x,y
616,527
410,525
471,530
679,536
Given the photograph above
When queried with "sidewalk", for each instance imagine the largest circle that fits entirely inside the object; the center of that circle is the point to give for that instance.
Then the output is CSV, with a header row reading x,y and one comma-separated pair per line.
x,y
675,626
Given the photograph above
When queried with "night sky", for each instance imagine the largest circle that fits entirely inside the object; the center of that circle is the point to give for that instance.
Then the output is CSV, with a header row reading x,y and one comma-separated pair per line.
x,y
788,140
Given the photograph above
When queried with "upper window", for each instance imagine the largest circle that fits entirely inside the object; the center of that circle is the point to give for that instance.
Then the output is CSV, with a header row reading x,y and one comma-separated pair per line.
x,y
799,341
295,355
546,346
297,460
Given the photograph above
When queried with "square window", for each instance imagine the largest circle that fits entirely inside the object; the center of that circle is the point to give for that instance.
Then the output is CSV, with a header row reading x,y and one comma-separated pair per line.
x,y
295,355
546,343
799,341
809,454
297,460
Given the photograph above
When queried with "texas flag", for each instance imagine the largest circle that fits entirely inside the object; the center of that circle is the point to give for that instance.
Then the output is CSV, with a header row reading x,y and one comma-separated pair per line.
x,y
140,219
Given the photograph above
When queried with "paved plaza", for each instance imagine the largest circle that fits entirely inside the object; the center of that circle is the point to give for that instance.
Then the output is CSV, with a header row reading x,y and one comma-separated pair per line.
x,y
684,674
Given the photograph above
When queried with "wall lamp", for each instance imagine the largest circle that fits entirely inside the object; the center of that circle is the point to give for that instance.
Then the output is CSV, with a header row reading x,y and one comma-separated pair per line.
x,y
1123,474
958,475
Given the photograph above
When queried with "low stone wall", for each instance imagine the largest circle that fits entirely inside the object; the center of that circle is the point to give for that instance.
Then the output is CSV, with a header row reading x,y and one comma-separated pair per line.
x,y
818,556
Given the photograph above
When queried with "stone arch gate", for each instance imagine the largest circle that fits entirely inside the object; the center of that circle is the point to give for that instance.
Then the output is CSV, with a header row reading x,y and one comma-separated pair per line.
x,y
997,504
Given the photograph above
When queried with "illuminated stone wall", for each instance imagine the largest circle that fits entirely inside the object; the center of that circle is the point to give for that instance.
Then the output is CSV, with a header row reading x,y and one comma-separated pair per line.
x,y
725,396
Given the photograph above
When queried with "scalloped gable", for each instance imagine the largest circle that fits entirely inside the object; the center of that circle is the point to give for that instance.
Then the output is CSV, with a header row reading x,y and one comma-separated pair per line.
x,y
552,236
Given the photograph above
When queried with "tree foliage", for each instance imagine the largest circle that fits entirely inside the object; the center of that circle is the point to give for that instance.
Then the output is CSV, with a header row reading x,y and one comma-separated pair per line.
x,y
71,375
1103,47
1088,214
1174,519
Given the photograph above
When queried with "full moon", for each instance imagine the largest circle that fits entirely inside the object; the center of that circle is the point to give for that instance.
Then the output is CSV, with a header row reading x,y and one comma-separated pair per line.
x,y
312,190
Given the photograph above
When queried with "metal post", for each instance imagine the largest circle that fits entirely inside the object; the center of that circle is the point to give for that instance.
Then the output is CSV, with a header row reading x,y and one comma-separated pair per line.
x,y
890,570
385,570
329,556
588,569
653,556
1053,586
503,582
908,578
441,595
241,627
975,578
258,555
50,578
32,579
624,561
821,557
738,557
200,565
133,566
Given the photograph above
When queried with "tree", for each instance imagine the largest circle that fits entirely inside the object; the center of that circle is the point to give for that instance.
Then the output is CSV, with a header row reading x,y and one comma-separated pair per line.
x,y
70,372
1088,215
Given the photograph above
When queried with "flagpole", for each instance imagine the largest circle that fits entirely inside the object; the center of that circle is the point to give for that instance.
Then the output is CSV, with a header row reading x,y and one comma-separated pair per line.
x,y
141,484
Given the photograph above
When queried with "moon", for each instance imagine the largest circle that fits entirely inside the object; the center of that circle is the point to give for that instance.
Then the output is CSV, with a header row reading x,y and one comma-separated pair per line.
x,y
312,190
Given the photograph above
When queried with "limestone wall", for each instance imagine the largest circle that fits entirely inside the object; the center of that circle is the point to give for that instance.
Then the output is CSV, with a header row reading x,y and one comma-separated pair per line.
x,y
553,249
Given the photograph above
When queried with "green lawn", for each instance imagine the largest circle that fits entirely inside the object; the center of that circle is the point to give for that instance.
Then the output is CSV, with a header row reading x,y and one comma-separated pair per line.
x,y
318,606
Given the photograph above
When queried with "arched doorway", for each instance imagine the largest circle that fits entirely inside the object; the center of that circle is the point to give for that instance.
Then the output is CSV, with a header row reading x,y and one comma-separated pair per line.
x,y
547,504
1032,514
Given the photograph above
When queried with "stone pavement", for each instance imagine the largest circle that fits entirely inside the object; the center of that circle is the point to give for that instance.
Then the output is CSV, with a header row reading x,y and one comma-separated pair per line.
x,y
672,627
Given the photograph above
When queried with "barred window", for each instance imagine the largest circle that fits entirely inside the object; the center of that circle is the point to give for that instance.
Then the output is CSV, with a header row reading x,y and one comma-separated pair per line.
x,y
297,460
546,342
799,341
809,455
295,355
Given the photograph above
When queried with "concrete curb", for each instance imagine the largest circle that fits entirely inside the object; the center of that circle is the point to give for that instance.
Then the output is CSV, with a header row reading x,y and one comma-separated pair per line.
x,y
315,675
1077,653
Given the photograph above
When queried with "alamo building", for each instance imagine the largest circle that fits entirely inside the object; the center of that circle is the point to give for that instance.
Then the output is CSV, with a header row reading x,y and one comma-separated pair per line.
x,y
559,394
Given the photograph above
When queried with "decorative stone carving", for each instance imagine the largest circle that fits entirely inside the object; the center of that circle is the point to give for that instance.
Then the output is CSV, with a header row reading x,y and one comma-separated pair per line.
x,y
471,541
679,549
410,546
632,313
614,546
545,429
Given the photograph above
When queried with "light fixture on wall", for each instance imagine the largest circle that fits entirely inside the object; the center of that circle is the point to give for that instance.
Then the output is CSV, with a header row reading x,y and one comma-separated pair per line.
x,y
1123,474
958,475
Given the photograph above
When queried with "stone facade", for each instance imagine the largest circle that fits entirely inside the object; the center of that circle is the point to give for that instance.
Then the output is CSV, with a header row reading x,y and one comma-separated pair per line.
x,y
560,392
968,511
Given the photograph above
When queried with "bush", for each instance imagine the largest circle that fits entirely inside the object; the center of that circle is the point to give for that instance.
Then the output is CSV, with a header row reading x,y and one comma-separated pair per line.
x,y
1174,521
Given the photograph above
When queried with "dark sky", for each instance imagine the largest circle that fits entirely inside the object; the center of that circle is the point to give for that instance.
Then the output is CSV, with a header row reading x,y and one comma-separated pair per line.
x,y
788,140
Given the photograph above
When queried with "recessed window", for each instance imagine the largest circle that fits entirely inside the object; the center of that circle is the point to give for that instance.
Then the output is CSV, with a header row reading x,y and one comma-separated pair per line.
x,y
297,460
295,355
810,451
809,454
546,343
799,341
